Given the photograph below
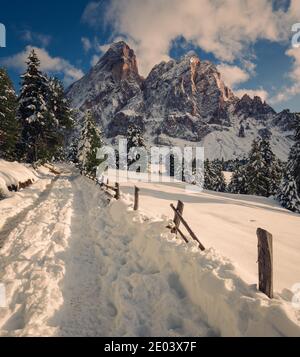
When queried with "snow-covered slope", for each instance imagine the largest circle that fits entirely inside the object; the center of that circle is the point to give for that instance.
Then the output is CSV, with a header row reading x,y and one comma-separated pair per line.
x,y
180,102
74,265
228,223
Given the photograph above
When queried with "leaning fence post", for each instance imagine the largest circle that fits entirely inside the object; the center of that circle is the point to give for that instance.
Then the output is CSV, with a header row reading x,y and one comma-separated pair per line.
x,y
180,208
265,262
117,191
136,198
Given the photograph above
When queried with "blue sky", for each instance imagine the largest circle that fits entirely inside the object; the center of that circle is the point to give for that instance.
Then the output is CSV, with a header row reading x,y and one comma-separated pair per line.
x,y
250,42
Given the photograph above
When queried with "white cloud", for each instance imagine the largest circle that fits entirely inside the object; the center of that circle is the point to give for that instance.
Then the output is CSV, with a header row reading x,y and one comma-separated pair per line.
x,y
224,28
291,91
252,93
91,13
295,73
35,37
95,60
86,43
54,65
233,75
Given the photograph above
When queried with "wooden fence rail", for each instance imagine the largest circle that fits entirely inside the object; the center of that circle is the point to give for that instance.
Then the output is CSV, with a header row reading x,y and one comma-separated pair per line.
x,y
179,217
265,239
115,189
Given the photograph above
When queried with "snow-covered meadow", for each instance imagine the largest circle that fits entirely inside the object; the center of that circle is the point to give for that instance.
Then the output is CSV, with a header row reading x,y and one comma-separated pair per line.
x,y
228,223
75,265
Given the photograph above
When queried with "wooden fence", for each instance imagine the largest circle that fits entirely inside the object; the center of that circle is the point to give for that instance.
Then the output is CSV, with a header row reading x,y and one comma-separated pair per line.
x,y
112,191
179,219
265,239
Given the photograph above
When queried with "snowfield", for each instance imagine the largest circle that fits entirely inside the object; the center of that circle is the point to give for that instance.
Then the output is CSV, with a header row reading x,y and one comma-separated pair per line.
x,y
228,223
75,265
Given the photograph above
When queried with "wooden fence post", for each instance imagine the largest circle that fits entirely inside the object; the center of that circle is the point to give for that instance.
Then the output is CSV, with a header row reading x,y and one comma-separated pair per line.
x,y
180,208
191,233
136,198
117,191
265,262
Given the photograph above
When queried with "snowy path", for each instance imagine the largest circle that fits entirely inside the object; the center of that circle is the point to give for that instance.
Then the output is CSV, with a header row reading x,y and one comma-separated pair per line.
x,y
70,271
72,265
107,291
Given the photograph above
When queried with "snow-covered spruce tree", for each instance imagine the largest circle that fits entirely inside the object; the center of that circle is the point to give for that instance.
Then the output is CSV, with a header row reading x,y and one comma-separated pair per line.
x,y
175,166
214,179
242,132
220,182
134,140
72,153
257,182
289,192
33,113
62,115
238,183
9,128
90,142
272,168
294,157
209,176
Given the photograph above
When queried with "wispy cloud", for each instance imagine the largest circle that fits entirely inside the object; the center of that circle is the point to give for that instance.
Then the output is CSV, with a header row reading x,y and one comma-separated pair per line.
x,y
36,37
91,13
288,92
86,43
49,64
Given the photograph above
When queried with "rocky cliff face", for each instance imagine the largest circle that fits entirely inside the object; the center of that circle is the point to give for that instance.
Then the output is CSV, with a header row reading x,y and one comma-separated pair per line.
x,y
179,103
109,86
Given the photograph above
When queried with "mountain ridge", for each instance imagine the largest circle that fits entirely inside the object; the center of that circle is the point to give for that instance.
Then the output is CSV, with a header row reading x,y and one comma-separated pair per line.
x,y
181,102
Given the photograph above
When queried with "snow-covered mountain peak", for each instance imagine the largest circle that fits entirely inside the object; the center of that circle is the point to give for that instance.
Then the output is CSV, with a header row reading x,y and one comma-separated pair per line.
x,y
181,101
120,61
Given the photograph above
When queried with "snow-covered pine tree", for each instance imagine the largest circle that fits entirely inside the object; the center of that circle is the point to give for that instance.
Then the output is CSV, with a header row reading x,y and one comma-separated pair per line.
x,y
62,115
72,152
220,182
175,166
257,183
60,106
289,192
134,140
238,183
33,114
209,176
242,132
9,128
272,169
294,157
214,178
90,142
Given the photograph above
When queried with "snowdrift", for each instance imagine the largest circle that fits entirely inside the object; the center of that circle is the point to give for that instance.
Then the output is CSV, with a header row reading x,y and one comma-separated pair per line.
x,y
228,223
232,307
14,175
